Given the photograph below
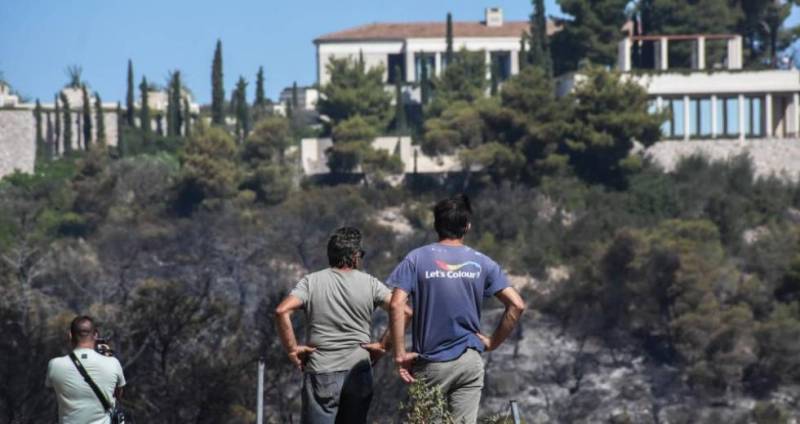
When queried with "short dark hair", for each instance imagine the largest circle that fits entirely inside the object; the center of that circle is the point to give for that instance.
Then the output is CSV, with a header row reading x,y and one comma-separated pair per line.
x,y
82,327
451,217
343,247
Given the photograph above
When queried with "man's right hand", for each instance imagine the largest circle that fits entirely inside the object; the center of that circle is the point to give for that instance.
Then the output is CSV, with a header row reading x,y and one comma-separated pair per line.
x,y
404,361
299,356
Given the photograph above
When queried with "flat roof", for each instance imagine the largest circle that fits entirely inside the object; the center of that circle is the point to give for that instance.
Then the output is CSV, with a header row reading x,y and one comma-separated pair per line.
x,y
402,31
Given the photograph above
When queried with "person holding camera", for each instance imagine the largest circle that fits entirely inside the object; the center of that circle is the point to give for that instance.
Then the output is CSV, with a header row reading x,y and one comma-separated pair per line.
x,y
337,359
88,380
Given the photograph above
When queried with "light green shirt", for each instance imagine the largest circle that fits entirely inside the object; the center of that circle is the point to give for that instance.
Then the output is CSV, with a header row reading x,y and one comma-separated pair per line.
x,y
339,306
77,403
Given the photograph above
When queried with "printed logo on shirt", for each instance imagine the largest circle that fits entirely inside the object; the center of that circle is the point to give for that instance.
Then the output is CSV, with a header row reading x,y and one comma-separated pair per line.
x,y
454,270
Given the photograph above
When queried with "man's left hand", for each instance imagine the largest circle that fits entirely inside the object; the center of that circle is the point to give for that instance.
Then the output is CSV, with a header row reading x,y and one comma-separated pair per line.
x,y
376,351
487,342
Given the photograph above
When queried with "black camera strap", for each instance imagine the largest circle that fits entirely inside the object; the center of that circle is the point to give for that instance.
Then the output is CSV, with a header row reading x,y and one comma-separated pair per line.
x,y
95,389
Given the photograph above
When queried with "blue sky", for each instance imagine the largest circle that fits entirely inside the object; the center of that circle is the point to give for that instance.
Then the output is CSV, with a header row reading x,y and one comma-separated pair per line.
x,y
39,39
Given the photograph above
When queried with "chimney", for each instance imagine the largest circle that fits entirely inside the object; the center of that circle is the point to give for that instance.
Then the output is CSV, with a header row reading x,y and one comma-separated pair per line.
x,y
494,17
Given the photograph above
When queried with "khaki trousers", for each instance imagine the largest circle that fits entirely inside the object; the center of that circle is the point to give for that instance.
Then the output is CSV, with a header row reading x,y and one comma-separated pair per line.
x,y
461,381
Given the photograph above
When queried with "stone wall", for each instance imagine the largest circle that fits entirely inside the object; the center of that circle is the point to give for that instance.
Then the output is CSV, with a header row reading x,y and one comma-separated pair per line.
x,y
779,157
18,136
17,141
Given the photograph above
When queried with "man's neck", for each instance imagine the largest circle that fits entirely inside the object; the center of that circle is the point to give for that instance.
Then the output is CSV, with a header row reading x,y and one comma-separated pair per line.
x,y
452,242
344,268
84,345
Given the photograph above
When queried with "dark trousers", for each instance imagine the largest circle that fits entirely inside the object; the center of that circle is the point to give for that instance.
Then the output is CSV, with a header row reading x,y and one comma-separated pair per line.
x,y
340,397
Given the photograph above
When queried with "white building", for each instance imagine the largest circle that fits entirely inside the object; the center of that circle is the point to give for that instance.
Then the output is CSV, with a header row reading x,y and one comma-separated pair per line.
x,y
712,101
307,98
411,46
314,156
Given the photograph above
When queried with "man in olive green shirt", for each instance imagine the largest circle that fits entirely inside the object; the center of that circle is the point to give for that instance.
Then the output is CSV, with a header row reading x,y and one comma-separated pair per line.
x,y
338,303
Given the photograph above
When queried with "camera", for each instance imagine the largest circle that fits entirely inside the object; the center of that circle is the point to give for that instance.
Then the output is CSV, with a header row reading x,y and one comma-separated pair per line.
x,y
102,346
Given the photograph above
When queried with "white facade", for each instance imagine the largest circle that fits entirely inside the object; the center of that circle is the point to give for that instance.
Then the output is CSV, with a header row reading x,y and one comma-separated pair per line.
x,y
725,102
307,98
409,46
314,158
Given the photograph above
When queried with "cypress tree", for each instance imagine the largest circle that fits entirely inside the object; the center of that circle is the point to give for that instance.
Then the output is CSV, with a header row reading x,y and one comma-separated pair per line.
x,y
174,106
217,88
187,118
41,148
57,125
144,112
494,86
448,56
295,96
87,119
121,147
160,125
539,54
424,85
37,116
400,120
49,141
130,108
99,120
67,125
242,111
636,48
261,99
523,54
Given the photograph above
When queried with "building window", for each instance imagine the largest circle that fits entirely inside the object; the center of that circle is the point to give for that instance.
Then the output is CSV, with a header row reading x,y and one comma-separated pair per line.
x,y
677,121
753,116
395,63
501,65
426,60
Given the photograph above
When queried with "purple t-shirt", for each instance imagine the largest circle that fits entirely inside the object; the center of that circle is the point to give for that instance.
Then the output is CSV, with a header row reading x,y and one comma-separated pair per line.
x,y
447,285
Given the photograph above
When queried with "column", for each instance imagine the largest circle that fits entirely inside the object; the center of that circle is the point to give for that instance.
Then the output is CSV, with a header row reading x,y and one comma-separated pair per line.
x,y
740,102
767,116
438,64
701,52
410,71
686,116
663,51
714,129
624,55
795,115
735,52
514,62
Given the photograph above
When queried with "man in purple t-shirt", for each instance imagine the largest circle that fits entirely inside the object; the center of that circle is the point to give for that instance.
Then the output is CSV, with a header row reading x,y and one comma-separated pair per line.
x,y
447,282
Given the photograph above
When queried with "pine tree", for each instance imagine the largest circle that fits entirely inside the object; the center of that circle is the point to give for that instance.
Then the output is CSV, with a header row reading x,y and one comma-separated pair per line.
x,y
539,54
400,120
591,36
448,55
261,99
87,119
57,139
494,83
121,147
67,125
187,118
100,120
130,108
242,113
217,88
144,112
174,106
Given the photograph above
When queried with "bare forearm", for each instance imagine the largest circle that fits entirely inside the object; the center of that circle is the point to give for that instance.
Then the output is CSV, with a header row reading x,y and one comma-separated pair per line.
x,y
283,323
506,325
397,326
